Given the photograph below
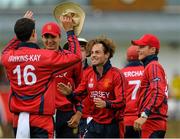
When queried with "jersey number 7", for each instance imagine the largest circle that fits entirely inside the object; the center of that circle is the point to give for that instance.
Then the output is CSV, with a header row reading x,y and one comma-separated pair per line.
x,y
137,85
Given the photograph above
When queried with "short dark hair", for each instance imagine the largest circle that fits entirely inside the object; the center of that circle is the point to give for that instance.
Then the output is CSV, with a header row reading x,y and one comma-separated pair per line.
x,y
23,28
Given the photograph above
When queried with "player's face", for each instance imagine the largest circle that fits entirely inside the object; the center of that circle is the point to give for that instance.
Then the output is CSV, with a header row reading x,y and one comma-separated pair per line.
x,y
83,53
98,57
51,42
144,51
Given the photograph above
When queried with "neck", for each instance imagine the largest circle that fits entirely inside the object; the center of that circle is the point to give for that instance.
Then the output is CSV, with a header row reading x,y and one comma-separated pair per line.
x,y
100,69
32,40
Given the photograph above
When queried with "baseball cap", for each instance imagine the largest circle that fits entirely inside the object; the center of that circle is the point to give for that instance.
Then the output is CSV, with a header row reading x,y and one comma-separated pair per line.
x,y
51,28
132,53
147,40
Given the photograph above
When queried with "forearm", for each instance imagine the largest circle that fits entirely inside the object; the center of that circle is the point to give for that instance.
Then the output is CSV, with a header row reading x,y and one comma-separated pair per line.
x,y
73,42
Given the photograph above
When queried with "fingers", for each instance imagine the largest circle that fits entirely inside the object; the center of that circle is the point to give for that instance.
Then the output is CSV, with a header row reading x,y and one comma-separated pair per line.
x,y
99,103
62,88
72,123
69,85
137,126
67,22
66,19
28,14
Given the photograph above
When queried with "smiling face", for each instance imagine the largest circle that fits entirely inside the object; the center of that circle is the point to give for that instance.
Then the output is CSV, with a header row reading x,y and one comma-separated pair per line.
x,y
98,57
51,42
144,51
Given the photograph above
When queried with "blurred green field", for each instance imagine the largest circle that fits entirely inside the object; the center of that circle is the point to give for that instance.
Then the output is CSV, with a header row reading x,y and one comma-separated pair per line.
x,y
173,130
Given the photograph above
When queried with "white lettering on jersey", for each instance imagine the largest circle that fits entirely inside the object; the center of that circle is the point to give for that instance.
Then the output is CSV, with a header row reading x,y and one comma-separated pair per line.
x,y
133,73
24,58
99,94
61,75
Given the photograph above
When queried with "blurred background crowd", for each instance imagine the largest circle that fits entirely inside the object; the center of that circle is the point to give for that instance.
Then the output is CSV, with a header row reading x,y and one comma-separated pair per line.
x,y
121,20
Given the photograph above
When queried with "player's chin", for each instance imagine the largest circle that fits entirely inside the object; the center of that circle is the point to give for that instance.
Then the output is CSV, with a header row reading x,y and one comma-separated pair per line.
x,y
51,48
141,57
94,63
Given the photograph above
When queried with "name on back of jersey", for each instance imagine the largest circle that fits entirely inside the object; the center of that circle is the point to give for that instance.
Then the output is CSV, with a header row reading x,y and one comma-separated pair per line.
x,y
24,58
133,73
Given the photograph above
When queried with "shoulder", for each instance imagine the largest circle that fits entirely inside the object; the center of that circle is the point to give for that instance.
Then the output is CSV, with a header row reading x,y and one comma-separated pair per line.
x,y
116,72
88,69
154,65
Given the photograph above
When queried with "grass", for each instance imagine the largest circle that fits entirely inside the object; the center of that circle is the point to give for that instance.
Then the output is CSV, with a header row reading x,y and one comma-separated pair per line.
x,y
173,130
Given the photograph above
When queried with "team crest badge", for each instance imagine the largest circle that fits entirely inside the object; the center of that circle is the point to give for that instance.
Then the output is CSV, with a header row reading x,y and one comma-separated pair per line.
x,y
49,27
156,79
91,85
106,83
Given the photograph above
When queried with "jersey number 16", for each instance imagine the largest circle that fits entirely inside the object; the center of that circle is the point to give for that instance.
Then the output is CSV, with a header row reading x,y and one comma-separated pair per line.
x,y
26,75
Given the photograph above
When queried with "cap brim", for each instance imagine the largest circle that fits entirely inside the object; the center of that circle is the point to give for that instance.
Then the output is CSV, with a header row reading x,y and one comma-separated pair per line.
x,y
138,42
51,33
62,7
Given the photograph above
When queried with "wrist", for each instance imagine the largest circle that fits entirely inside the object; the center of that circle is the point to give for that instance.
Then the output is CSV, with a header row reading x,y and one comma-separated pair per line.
x,y
144,115
70,32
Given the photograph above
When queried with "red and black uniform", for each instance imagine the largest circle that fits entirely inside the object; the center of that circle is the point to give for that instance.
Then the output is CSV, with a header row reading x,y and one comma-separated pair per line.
x,y
64,108
29,70
133,73
110,88
152,98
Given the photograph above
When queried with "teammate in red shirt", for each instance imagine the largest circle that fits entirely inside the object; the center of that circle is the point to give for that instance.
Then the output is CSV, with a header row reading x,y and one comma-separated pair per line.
x,y
133,73
153,92
67,114
104,87
30,70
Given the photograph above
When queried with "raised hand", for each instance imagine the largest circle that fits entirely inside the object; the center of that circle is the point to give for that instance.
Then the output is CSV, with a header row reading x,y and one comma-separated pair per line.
x,y
67,22
29,14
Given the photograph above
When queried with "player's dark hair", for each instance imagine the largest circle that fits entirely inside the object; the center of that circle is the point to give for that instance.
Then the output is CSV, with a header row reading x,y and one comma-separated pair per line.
x,y
23,28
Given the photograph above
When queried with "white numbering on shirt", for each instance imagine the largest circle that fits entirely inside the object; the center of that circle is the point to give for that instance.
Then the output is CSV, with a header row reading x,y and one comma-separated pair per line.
x,y
26,74
137,85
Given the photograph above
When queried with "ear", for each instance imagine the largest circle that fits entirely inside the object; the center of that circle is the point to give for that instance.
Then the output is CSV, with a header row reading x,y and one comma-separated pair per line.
x,y
33,33
153,50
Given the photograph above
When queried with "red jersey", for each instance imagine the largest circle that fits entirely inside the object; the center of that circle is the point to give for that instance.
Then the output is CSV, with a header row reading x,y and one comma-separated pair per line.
x,y
72,75
153,92
133,73
30,69
109,87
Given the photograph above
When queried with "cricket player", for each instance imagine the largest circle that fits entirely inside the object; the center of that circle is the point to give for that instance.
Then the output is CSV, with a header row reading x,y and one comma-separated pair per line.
x,y
133,72
67,114
153,93
103,85
30,70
